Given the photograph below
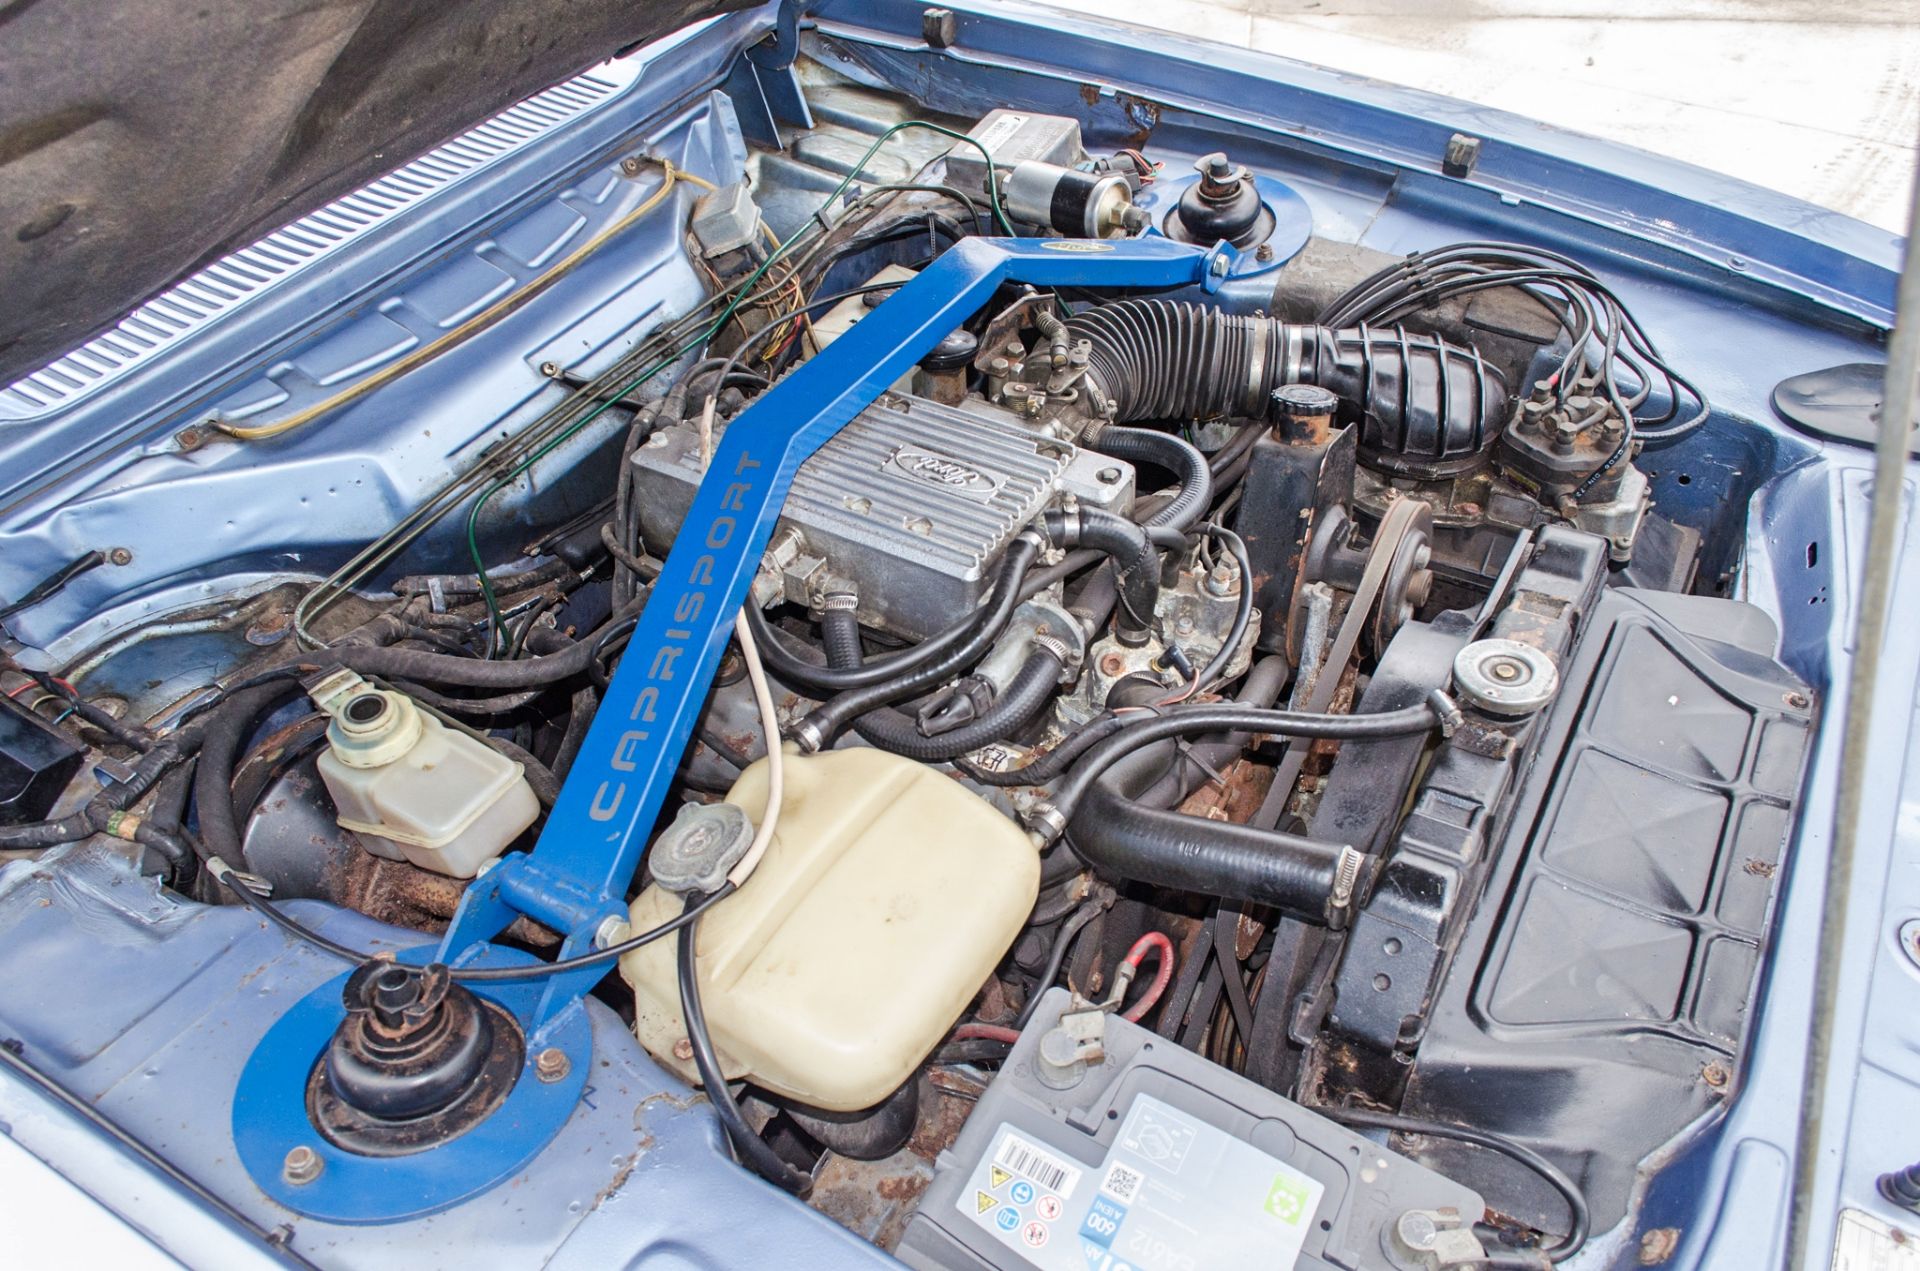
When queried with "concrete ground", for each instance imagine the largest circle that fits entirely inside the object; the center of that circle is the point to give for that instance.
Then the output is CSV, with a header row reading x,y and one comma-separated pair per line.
x,y
1817,99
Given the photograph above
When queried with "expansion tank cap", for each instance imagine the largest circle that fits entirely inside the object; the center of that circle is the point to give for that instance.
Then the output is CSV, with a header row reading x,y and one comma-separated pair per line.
x,y
694,853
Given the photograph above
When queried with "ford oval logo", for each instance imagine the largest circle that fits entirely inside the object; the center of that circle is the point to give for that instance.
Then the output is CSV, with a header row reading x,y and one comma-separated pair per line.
x,y
947,473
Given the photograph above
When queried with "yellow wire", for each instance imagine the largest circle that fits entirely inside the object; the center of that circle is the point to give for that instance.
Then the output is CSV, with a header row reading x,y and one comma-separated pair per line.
x,y
485,318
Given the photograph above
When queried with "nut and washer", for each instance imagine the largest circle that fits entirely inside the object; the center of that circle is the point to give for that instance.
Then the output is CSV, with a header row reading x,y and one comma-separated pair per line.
x,y
302,1165
552,1064
1504,677
1910,940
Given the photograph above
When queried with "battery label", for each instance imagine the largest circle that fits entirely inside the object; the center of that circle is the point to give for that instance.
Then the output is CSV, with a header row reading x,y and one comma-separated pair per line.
x,y
1172,1194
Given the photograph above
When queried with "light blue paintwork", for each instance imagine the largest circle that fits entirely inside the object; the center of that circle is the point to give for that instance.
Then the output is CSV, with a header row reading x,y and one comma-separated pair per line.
x,y
1743,286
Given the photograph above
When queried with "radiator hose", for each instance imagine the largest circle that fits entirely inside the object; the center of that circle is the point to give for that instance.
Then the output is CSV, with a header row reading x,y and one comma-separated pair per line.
x,y
1424,406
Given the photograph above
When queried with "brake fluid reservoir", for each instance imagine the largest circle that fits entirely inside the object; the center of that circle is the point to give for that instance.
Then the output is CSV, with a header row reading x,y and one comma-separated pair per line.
x,y
412,788
886,899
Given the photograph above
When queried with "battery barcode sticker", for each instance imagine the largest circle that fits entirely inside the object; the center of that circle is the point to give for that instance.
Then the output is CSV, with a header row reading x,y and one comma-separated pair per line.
x,y
1122,1183
1043,1167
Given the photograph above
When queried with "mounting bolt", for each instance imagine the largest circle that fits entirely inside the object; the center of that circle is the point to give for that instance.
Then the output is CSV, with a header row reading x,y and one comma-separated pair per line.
x,y
683,1050
1657,1245
190,438
552,1064
1910,940
630,166
612,931
120,556
1799,701
1715,1074
302,1166
1462,153
1263,253
938,27
550,369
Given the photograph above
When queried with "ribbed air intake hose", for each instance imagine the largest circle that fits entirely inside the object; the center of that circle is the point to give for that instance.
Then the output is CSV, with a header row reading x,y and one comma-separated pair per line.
x,y
1424,405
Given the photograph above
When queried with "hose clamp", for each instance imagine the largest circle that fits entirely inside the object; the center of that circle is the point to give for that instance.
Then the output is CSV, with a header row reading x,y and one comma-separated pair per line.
x,y
839,602
1069,525
1290,372
1255,405
806,735
1346,878
1063,653
1046,821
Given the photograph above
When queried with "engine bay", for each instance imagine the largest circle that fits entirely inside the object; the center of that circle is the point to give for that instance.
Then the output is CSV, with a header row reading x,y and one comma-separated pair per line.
x,y
1088,716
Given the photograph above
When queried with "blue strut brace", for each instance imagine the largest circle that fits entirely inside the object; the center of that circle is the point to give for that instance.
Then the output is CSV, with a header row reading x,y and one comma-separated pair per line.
x,y
577,875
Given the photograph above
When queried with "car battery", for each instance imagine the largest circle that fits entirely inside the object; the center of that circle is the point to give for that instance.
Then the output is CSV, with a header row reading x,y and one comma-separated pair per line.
x,y
1142,1156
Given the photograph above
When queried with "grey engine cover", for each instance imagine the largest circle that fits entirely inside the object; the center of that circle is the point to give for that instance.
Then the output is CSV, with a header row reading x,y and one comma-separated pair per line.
x,y
912,503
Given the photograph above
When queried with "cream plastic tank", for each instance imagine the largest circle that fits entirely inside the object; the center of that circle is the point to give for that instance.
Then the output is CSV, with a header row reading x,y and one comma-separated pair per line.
x,y
413,789
886,899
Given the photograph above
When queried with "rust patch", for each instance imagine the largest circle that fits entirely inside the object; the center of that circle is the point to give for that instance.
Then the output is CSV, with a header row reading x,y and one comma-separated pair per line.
x,y
1144,115
902,1187
1236,797
942,1114
619,1180
1657,1245
1090,94
407,896
1759,868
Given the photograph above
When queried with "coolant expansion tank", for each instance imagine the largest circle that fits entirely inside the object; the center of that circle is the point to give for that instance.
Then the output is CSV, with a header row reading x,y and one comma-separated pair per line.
x,y
887,897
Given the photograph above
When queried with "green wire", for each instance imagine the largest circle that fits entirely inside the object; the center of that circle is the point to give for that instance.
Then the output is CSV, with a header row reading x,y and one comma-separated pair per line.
x,y
494,621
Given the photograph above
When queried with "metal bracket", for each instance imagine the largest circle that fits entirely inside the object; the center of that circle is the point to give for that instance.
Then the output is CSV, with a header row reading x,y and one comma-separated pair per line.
x,y
764,85
576,877
781,47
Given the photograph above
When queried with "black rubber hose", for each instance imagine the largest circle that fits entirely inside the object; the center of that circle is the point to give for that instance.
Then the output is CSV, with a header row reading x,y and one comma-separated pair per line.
x,y
441,668
826,721
1187,721
226,730
1121,838
840,636
871,1134
1143,445
38,834
147,771
755,1152
540,778
1421,401
1136,562
792,667
580,712
1033,686
1055,761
